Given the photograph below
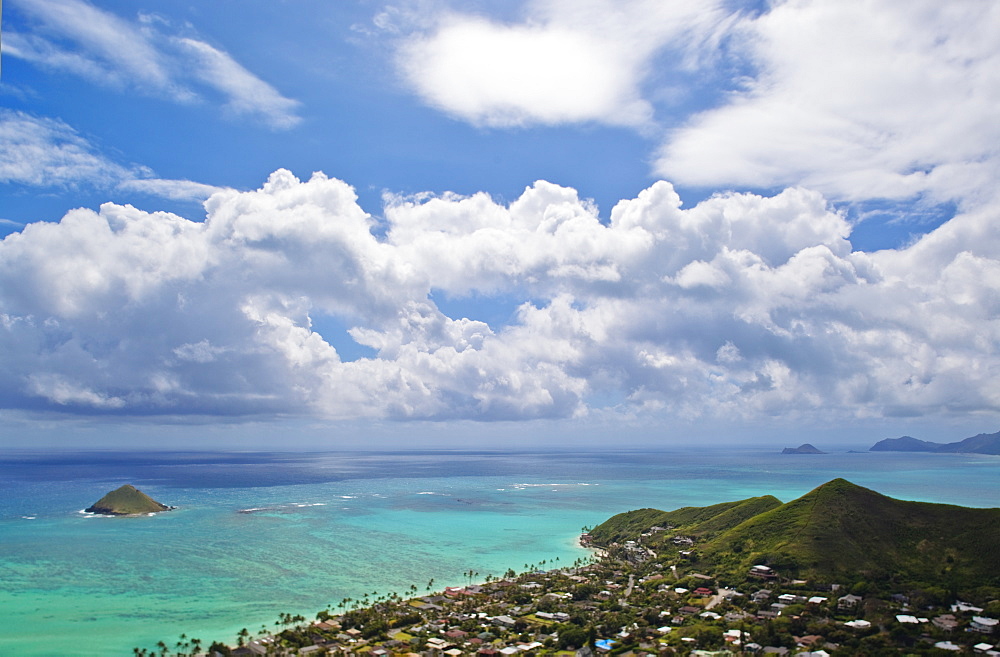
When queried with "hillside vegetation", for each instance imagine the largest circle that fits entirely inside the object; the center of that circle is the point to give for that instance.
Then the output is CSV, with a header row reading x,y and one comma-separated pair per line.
x,y
702,521
837,532
126,501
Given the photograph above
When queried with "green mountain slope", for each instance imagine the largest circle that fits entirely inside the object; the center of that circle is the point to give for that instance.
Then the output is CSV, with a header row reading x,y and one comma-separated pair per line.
x,y
844,532
700,521
126,500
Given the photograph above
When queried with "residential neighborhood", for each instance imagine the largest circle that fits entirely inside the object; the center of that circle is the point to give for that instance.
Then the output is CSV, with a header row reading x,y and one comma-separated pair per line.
x,y
618,604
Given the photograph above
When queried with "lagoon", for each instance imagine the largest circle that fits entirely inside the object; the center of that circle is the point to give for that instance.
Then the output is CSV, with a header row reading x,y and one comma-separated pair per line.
x,y
258,534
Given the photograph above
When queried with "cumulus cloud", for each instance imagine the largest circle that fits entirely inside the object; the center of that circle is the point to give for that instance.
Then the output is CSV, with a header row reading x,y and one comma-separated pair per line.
x,y
875,100
564,63
881,99
742,306
78,38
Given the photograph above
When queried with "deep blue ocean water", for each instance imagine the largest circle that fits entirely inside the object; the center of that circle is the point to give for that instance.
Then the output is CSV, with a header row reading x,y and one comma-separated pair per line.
x,y
323,527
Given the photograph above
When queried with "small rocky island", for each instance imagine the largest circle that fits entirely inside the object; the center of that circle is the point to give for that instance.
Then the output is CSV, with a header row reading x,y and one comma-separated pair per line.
x,y
804,448
127,501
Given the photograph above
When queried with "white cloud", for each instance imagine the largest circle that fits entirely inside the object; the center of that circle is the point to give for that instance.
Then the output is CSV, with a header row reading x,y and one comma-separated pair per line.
x,y
76,37
679,313
47,152
57,389
564,63
44,152
881,99
180,190
247,94
111,48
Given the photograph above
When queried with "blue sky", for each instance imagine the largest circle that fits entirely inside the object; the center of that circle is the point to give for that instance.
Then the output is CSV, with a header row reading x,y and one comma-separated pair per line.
x,y
540,222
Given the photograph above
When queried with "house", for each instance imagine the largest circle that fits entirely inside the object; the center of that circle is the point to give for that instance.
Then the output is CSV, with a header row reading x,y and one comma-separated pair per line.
x,y
848,601
983,625
858,624
702,591
760,596
947,645
435,643
946,622
762,572
505,621
733,636
790,598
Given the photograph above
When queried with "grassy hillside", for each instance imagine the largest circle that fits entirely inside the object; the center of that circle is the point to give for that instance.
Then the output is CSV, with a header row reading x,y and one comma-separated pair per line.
x,y
699,521
126,500
839,531
842,530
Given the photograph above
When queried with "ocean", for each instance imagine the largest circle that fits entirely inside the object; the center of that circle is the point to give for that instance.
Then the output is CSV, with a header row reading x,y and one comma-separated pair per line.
x,y
258,534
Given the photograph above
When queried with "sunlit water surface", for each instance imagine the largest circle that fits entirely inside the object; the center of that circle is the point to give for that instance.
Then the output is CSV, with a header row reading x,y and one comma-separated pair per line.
x,y
339,525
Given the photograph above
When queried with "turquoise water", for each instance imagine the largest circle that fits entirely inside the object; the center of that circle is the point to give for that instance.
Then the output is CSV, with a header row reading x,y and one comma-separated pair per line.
x,y
330,526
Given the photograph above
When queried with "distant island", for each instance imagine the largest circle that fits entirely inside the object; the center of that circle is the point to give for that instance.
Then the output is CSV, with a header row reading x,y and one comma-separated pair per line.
x,y
804,448
984,443
126,501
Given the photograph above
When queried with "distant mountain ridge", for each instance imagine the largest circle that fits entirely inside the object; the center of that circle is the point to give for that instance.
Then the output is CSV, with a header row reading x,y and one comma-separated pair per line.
x,y
984,443
837,532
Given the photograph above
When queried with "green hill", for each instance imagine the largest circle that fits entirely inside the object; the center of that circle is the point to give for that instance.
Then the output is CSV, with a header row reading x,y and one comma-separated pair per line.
x,y
843,532
702,521
126,501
